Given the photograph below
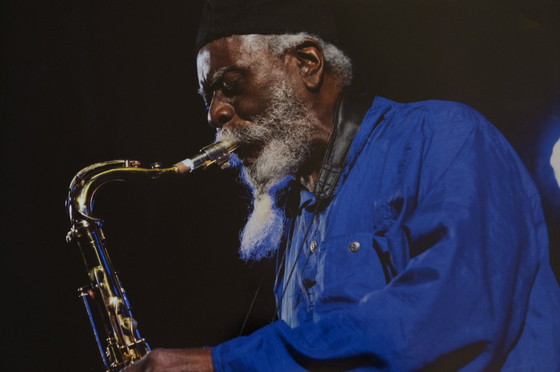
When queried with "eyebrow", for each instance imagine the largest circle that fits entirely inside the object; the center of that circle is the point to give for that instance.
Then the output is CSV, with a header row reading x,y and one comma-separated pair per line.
x,y
207,85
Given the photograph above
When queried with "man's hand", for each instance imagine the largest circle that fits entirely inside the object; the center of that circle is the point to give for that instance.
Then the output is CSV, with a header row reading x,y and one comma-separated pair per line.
x,y
174,360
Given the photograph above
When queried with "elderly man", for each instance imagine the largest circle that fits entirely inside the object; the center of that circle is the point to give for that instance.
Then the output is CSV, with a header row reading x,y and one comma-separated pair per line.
x,y
408,236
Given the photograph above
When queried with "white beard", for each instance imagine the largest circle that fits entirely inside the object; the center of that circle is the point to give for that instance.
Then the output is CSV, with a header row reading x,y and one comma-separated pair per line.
x,y
263,231
286,130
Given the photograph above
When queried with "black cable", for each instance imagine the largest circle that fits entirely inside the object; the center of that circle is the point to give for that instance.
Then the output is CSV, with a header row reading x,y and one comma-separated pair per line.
x,y
251,305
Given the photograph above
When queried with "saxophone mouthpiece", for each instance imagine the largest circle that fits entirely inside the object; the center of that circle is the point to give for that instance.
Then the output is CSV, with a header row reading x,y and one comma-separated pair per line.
x,y
216,153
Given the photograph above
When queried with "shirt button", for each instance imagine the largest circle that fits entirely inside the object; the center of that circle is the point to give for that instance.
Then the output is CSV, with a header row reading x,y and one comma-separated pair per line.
x,y
313,246
354,246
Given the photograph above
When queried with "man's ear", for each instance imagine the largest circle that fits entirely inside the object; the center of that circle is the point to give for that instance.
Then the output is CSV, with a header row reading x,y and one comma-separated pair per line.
x,y
310,63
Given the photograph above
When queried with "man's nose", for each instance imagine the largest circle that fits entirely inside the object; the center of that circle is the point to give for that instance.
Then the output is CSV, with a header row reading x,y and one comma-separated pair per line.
x,y
220,112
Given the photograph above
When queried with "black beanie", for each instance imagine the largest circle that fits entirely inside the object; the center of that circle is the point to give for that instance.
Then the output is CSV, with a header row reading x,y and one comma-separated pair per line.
x,y
221,18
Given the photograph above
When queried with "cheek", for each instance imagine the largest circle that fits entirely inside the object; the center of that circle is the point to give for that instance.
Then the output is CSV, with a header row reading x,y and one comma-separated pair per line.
x,y
254,98
250,106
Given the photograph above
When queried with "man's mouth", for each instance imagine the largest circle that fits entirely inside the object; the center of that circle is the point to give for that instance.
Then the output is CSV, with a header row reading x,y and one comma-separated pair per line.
x,y
248,150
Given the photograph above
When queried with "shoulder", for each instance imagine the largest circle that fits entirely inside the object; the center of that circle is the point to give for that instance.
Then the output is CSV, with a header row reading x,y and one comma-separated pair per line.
x,y
438,121
444,130
441,115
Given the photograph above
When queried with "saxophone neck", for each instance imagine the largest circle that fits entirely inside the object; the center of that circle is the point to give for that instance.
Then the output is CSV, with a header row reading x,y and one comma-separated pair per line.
x,y
87,181
90,179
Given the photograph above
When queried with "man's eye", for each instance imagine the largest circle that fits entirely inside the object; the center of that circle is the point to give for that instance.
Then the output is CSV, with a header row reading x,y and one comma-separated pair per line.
x,y
228,89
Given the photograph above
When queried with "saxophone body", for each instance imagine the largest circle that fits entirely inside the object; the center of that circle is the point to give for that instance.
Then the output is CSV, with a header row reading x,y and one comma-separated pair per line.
x,y
115,329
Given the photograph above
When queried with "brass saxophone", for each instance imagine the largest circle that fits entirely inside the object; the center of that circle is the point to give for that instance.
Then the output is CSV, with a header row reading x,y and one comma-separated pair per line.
x,y
122,344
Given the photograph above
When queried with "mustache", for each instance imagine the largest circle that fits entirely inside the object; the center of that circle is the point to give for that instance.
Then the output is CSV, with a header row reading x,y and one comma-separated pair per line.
x,y
249,133
245,138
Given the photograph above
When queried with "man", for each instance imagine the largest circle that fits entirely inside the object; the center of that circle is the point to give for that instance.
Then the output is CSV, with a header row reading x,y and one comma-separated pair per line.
x,y
409,236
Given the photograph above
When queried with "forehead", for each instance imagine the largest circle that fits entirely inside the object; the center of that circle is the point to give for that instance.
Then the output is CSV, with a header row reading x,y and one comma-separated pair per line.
x,y
217,54
228,52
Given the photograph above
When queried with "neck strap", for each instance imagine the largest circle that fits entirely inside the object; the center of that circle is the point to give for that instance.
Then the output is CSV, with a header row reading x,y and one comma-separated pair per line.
x,y
351,107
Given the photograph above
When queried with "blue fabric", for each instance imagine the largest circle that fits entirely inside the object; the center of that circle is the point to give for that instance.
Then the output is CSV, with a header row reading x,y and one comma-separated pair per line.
x,y
452,269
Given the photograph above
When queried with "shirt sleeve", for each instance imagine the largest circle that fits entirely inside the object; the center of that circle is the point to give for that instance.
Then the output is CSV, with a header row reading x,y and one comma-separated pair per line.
x,y
466,249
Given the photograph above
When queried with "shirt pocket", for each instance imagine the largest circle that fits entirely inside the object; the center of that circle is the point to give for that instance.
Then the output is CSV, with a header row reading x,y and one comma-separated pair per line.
x,y
348,269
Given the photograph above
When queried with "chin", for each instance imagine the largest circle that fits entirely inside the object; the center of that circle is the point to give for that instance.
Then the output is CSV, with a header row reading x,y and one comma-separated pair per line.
x,y
248,162
248,154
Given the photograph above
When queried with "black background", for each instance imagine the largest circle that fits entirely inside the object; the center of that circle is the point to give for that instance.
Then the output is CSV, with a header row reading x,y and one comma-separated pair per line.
x,y
85,81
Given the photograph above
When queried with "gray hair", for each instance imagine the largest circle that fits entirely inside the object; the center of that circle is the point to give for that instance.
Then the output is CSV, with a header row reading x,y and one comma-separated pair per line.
x,y
335,60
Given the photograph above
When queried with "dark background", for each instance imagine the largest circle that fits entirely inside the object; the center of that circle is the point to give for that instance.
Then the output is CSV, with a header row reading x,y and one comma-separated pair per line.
x,y
86,81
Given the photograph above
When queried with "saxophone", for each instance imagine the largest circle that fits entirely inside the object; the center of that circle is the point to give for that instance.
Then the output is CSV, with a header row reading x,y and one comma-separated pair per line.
x,y
122,344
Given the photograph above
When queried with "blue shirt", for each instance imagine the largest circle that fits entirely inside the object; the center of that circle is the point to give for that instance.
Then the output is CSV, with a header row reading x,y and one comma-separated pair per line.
x,y
433,254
